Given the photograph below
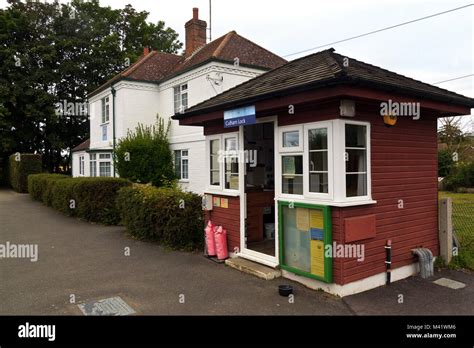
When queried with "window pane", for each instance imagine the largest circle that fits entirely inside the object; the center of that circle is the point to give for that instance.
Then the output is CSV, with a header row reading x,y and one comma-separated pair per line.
x,y
184,153
104,156
356,185
292,178
215,180
184,101
293,185
214,147
355,135
291,139
177,163
214,162
318,139
318,182
185,169
292,165
356,161
231,144
104,169
318,161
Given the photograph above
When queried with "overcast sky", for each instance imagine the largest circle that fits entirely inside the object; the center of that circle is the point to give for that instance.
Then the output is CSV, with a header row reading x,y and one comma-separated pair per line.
x,y
431,50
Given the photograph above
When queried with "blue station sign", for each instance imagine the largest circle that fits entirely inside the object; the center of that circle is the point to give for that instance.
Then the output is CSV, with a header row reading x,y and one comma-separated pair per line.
x,y
240,117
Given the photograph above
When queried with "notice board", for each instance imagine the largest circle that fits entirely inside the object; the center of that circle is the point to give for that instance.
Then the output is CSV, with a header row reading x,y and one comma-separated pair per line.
x,y
304,231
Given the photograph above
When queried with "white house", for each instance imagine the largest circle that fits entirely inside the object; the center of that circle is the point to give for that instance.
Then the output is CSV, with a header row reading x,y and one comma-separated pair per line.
x,y
164,84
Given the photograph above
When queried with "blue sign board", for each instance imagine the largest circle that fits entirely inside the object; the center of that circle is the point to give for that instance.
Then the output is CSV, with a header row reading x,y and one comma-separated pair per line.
x,y
240,117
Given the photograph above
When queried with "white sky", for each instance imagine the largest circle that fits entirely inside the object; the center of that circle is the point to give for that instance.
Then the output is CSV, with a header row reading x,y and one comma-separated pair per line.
x,y
431,50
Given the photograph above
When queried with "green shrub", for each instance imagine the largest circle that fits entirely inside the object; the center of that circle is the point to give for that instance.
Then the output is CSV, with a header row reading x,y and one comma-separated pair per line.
x,y
39,186
168,216
144,156
445,163
462,175
92,199
20,166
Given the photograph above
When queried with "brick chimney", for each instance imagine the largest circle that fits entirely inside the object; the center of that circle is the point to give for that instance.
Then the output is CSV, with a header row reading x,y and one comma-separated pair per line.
x,y
195,33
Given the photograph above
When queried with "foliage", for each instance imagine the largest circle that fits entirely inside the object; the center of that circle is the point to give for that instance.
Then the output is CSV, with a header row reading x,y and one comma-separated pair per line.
x,y
52,53
168,216
19,167
144,156
92,199
40,186
445,163
462,175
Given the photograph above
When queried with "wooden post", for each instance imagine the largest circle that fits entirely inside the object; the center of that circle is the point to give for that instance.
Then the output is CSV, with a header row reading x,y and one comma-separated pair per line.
x,y
445,229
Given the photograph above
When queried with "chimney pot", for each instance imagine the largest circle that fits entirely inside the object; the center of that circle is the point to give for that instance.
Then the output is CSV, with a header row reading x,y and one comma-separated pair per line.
x,y
195,13
146,50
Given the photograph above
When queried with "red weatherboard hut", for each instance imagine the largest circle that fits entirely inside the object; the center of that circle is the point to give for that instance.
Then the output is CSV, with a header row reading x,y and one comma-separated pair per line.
x,y
309,170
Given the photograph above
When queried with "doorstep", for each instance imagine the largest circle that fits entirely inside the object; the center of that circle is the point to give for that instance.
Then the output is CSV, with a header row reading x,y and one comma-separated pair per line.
x,y
253,268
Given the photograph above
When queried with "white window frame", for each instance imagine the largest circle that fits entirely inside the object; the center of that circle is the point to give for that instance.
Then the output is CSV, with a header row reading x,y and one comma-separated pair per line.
x,y
306,169
105,160
105,132
82,165
286,129
93,164
105,110
221,187
340,162
336,195
180,94
182,159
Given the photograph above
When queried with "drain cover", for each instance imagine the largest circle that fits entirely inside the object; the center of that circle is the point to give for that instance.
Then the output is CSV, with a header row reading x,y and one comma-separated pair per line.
x,y
108,306
449,283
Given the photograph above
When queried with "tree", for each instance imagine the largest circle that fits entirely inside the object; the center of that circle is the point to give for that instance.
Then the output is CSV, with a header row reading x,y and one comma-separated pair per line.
x,y
53,53
144,155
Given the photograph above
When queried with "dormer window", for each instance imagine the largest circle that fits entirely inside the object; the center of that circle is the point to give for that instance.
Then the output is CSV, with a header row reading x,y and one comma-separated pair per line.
x,y
180,98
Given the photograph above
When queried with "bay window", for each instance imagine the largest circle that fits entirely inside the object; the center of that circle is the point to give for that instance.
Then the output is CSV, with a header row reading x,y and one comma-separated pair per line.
x,y
327,161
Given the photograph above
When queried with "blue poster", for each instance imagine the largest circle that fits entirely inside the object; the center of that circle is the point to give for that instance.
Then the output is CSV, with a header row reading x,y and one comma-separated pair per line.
x,y
240,117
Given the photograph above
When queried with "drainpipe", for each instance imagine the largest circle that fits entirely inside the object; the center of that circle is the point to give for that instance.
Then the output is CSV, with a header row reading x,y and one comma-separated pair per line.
x,y
388,261
113,125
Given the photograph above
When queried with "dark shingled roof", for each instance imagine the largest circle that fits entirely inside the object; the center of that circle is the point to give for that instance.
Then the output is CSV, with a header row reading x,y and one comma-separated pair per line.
x,y
317,70
159,66
82,146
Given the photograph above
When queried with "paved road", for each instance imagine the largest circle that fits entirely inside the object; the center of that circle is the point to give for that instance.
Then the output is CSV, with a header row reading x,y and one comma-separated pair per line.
x,y
88,261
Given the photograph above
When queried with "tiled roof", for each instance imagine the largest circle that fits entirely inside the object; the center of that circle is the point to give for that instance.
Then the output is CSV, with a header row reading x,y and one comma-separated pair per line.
x,y
82,146
158,66
316,70
227,48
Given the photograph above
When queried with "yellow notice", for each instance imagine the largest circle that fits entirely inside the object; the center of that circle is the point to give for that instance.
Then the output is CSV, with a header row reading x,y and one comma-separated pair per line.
x,y
234,183
302,219
317,258
224,203
317,219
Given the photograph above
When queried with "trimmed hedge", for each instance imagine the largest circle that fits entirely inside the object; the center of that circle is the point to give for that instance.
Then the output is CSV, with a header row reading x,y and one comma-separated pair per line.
x,y
92,199
40,186
20,166
168,216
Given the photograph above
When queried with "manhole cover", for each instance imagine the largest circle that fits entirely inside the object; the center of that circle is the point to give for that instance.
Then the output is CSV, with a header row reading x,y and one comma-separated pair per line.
x,y
449,283
108,306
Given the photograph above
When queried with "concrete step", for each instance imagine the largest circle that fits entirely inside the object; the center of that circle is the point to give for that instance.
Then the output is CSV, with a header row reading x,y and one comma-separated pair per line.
x,y
253,268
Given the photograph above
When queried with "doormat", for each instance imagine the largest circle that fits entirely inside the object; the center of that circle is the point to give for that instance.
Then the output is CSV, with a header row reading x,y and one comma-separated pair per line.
x,y
113,306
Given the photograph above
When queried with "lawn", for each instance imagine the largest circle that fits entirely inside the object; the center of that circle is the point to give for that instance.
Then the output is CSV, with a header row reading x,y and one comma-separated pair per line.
x,y
463,223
